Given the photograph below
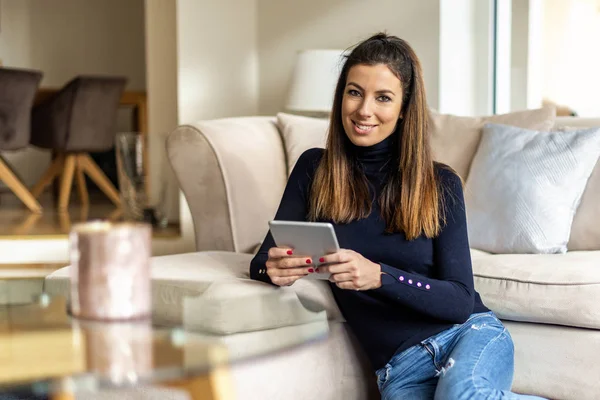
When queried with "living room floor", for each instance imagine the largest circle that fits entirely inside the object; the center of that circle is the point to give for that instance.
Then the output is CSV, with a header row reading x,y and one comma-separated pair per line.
x,y
34,245
16,222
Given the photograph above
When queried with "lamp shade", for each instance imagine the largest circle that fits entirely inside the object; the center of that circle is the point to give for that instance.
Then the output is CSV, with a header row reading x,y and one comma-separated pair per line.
x,y
313,81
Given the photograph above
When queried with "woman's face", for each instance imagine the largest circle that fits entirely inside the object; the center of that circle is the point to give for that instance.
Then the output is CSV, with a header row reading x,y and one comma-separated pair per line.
x,y
371,104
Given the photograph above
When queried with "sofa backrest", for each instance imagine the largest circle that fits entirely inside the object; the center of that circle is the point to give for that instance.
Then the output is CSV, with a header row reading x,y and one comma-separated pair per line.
x,y
232,172
454,142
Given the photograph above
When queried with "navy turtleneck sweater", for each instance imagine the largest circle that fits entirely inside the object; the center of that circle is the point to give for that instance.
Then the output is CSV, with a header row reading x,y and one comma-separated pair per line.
x,y
427,284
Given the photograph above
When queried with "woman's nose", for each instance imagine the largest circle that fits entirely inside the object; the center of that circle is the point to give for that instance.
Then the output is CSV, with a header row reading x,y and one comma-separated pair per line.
x,y
365,109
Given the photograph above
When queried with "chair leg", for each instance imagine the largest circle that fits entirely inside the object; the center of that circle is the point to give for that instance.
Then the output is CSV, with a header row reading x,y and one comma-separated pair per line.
x,y
81,186
67,182
17,187
94,172
51,173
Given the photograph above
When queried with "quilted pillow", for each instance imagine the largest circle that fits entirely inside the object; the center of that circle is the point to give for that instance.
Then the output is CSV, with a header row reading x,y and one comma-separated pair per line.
x,y
525,187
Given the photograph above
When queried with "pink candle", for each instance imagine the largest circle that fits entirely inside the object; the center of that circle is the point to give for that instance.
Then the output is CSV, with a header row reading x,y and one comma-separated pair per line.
x,y
110,270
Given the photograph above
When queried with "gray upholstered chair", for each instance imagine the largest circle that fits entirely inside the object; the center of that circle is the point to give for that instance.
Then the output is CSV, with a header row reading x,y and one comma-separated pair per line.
x,y
79,119
17,92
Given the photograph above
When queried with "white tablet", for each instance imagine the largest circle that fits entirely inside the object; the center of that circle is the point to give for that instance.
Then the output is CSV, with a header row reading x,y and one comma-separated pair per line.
x,y
311,239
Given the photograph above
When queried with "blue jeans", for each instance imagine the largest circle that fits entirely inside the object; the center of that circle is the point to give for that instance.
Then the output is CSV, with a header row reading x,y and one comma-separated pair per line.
x,y
474,360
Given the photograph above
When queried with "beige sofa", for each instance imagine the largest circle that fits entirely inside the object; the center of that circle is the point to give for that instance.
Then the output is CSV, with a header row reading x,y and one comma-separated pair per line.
x,y
232,173
239,172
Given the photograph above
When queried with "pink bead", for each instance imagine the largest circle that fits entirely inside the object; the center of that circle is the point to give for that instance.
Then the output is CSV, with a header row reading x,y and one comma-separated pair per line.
x,y
410,281
427,287
401,279
419,284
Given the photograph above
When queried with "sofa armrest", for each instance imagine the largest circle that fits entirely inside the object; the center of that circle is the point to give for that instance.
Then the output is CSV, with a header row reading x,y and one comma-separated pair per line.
x,y
232,172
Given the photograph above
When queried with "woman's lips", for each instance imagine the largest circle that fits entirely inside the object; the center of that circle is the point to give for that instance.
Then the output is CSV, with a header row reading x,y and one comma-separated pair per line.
x,y
362,129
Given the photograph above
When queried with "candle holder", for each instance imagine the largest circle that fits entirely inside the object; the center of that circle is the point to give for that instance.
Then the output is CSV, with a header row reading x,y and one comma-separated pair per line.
x,y
110,270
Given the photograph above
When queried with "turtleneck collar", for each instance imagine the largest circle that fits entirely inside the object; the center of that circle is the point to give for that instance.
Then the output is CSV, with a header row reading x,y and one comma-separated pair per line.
x,y
376,155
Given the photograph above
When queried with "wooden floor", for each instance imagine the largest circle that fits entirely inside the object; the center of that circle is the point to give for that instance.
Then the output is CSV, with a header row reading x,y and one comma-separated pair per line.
x,y
20,281
17,222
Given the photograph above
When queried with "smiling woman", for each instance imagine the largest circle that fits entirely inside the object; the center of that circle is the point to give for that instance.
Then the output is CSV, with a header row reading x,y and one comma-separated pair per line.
x,y
380,94
402,277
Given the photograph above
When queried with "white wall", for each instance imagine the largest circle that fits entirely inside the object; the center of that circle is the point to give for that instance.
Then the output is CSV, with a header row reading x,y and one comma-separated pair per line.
x,y
465,85
64,38
526,54
217,59
161,83
519,54
202,64
287,26
503,63
571,61
457,57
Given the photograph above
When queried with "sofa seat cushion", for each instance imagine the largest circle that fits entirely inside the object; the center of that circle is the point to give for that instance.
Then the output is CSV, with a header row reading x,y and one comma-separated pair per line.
x,y
558,289
176,277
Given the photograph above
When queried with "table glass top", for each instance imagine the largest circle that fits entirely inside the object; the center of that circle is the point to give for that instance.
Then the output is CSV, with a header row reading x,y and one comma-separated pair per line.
x,y
43,348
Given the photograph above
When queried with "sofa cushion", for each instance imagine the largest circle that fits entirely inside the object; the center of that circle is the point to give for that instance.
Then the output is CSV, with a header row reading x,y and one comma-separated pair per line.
x,y
238,306
176,277
585,231
525,186
549,356
558,289
300,134
454,139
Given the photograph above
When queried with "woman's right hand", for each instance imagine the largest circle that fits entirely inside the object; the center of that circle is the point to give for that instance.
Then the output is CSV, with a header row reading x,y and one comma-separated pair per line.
x,y
284,268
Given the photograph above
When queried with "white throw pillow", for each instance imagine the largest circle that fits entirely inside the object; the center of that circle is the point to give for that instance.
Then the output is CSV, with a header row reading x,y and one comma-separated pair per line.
x,y
585,231
300,134
524,187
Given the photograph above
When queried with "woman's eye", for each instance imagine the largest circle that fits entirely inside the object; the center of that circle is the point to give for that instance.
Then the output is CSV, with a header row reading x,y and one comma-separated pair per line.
x,y
353,92
385,99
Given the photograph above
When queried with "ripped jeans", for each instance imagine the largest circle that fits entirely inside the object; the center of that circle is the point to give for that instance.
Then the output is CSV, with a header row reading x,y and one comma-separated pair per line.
x,y
474,360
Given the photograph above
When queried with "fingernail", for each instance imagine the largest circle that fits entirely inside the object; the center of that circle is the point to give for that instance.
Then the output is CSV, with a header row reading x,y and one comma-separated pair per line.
x,y
308,261
290,252
311,270
321,259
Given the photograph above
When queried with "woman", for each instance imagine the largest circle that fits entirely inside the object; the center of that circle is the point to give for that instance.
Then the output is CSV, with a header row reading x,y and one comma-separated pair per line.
x,y
403,280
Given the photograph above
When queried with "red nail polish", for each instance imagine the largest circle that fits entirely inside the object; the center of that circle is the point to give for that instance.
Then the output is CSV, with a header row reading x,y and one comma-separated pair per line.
x,y
311,270
308,261
290,252
321,259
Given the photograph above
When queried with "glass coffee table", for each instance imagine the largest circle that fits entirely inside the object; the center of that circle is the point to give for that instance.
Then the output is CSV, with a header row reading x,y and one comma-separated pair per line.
x,y
47,353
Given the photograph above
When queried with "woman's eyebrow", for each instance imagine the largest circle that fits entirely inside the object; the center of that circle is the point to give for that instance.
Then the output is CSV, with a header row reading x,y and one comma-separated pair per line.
x,y
382,91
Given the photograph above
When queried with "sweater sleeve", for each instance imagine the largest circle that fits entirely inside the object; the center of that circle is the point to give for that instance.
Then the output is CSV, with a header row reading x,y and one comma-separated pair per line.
x,y
449,297
293,207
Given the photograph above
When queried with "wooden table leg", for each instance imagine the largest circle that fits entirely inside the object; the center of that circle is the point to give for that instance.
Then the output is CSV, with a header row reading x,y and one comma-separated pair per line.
x,y
64,390
216,385
62,396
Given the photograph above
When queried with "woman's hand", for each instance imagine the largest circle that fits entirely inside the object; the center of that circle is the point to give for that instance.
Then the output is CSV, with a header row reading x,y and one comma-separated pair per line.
x,y
284,268
350,270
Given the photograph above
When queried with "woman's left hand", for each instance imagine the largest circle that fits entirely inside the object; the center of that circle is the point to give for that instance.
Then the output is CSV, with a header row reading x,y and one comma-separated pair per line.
x,y
350,270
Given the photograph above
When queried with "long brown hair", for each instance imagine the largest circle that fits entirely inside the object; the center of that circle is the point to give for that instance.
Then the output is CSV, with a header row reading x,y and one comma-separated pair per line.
x,y
410,199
